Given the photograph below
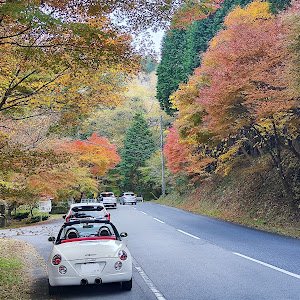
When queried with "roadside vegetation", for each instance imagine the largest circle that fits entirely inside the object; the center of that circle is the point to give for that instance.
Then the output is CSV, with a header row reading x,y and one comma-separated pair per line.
x,y
15,266
246,199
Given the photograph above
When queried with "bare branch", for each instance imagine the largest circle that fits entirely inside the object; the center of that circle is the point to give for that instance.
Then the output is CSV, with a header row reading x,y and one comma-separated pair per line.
x,y
14,35
8,91
14,102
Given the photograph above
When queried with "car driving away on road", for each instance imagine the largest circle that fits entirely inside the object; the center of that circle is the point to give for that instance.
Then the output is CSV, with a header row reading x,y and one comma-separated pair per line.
x,y
108,199
128,198
86,210
89,251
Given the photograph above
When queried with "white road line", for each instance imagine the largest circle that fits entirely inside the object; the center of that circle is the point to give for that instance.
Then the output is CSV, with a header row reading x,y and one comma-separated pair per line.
x,y
159,220
150,284
193,236
269,266
143,212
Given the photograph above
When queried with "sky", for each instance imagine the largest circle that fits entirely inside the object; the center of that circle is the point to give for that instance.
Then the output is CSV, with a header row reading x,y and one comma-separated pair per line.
x,y
149,41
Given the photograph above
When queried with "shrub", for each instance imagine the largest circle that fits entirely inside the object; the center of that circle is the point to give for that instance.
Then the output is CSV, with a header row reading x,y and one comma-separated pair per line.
x,y
37,219
21,215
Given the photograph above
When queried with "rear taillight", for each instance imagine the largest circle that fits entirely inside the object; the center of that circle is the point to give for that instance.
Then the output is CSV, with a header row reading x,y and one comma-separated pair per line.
x,y
56,260
122,254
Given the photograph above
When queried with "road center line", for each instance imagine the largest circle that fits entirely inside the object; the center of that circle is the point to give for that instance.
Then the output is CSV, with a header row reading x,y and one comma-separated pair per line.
x,y
159,221
269,266
148,281
143,212
193,236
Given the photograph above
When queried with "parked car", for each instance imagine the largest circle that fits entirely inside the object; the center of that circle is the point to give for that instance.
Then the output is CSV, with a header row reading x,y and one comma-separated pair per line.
x,y
128,198
86,210
89,251
108,199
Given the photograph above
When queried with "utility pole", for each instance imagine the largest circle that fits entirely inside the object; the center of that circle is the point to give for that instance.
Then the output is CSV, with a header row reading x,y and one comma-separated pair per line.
x,y
163,189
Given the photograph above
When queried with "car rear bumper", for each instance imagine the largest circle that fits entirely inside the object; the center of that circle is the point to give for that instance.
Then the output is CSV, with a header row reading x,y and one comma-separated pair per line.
x,y
129,201
64,281
112,203
72,277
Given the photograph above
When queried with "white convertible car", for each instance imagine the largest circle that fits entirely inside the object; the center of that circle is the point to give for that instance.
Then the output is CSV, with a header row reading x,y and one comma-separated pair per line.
x,y
89,251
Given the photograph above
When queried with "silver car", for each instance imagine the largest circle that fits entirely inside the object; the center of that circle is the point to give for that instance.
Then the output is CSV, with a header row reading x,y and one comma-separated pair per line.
x,y
128,198
108,199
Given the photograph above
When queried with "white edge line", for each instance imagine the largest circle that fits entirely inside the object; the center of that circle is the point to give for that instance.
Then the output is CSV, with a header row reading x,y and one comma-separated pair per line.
x,y
159,221
150,284
193,236
143,212
269,266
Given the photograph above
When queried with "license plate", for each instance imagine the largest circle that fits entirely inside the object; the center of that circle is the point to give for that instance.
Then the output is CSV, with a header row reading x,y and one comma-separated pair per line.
x,y
91,268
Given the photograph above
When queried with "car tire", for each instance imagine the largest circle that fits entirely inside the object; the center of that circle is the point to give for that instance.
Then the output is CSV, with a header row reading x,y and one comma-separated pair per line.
x,y
127,285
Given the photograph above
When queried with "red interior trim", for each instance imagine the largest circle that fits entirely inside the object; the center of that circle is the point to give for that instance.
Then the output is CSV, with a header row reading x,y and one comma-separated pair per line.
x,y
89,239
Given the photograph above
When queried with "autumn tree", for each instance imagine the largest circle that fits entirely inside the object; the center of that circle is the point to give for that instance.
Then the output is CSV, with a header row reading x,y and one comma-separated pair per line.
x,y
182,55
96,152
246,92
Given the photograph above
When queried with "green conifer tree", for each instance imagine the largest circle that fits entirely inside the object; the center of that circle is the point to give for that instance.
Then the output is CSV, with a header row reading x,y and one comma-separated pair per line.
x,y
138,147
171,71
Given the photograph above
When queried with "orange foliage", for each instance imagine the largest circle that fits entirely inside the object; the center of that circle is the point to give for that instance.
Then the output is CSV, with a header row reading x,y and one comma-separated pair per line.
x,y
96,153
245,65
175,152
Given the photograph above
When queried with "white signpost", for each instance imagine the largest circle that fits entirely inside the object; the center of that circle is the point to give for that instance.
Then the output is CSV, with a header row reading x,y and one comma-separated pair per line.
x,y
45,206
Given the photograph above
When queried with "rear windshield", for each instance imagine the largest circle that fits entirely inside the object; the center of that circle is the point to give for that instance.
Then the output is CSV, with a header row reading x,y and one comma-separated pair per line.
x,y
129,194
107,194
88,230
87,211
87,208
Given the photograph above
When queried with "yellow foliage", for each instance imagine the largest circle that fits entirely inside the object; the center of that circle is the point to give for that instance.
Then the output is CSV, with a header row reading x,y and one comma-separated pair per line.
x,y
254,11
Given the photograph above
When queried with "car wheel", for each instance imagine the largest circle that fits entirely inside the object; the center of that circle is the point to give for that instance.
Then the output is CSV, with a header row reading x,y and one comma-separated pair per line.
x,y
127,285
134,203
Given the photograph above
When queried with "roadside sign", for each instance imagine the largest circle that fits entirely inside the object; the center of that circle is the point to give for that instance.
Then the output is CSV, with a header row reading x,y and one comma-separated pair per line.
x,y
45,206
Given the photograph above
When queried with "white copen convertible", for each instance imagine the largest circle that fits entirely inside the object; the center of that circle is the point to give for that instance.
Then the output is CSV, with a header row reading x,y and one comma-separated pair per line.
x,y
89,251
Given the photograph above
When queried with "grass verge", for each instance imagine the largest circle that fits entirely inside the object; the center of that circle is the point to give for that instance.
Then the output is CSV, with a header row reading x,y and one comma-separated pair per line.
x,y
15,277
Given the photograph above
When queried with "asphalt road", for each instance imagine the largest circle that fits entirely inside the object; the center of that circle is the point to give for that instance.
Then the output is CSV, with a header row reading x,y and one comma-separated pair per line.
x,y
181,255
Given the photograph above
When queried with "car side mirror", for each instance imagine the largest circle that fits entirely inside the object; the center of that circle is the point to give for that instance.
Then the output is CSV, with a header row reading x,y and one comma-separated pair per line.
x,y
64,216
123,234
51,239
